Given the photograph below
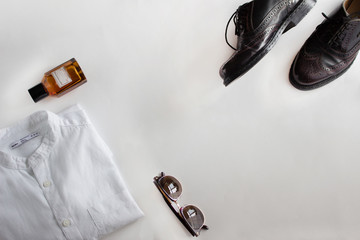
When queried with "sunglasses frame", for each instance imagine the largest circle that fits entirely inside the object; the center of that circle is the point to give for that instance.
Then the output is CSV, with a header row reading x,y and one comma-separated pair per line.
x,y
178,213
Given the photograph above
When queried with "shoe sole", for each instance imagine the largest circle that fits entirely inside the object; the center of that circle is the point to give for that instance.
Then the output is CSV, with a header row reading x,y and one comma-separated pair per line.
x,y
294,17
316,85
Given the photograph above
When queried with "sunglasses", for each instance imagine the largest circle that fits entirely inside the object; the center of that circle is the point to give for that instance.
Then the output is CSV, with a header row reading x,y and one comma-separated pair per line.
x,y
189,215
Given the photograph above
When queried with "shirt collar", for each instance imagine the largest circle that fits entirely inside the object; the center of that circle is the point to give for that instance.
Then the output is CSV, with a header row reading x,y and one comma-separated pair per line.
x,y
42,121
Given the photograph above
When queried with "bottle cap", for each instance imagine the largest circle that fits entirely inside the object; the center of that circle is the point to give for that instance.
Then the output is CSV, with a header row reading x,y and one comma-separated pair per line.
x,y
38,92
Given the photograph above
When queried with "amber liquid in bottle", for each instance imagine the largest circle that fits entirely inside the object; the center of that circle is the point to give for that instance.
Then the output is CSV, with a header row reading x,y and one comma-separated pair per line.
x,y
59,80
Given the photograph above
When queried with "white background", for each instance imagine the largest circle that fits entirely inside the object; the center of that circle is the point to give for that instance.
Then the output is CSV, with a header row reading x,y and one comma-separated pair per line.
x,y
262,159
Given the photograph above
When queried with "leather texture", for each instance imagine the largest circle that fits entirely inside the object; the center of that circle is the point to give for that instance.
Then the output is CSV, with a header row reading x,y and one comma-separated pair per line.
x,y
253,43
261,8
328,52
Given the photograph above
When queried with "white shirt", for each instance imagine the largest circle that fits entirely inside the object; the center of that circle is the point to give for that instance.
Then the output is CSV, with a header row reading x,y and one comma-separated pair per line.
x,y
59,181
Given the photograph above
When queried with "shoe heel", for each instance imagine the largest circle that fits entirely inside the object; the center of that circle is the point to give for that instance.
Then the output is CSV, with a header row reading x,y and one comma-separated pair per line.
x,y
299,13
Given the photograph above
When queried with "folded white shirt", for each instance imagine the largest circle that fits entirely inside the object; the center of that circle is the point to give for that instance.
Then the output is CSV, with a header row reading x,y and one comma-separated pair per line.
x,y
58,180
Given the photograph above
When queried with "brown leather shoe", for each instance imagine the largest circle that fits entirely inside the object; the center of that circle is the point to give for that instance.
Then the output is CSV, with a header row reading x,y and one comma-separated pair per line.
x,y
254,42
330,50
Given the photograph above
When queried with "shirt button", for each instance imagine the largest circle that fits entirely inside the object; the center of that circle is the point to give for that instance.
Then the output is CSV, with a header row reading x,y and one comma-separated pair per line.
x,y
47,184
66,223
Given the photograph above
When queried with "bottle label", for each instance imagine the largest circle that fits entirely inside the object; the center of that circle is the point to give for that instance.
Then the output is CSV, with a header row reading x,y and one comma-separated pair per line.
x,y
23,140
61,77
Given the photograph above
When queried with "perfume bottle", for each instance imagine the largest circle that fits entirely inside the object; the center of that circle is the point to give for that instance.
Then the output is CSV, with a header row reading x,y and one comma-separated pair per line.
x,y
59,81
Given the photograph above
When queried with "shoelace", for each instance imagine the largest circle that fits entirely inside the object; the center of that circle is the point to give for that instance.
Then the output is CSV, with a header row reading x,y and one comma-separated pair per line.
x,y
333,26
238,26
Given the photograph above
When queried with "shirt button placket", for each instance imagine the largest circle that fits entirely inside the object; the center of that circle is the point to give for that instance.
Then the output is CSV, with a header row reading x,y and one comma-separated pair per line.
x,y
59,209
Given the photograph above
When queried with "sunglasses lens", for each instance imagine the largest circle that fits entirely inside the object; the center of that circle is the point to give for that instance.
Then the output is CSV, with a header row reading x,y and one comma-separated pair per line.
x,y
193,216
171,186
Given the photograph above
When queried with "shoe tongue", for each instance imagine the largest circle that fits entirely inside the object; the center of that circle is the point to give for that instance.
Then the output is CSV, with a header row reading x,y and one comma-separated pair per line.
x,y
351,7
